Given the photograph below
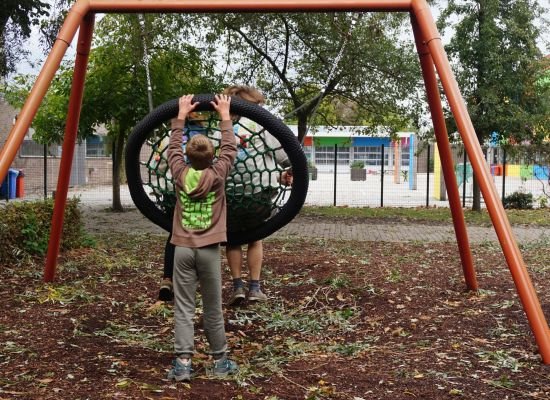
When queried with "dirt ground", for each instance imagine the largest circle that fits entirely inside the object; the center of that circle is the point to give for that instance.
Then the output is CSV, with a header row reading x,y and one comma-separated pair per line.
x,y
345,320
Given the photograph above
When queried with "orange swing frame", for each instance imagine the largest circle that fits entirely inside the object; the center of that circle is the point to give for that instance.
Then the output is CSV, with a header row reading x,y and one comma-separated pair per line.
x,y
431,54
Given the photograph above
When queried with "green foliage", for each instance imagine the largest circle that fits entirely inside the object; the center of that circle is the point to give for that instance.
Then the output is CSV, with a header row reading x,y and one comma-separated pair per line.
x,y
519,200
64,294
49,122
134,336
359,164
25,228
116,94
16,20
499,67
339,281
291,56
116,85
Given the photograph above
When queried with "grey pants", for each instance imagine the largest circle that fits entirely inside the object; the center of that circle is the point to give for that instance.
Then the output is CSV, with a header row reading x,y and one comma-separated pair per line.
x,y
191,267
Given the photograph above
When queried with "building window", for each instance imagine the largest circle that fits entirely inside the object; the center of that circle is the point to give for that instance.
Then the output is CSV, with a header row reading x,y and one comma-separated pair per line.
x,y
96,146
343,156
308,152
405,155
371,155
30,148
324,155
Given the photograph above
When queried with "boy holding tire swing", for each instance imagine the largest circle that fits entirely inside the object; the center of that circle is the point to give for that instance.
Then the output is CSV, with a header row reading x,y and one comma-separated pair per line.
x,y
199,226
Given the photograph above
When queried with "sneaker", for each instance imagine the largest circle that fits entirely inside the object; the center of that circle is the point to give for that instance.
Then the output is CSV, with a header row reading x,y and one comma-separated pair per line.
x,y
181,370
237,297
166,292
224,367
256,295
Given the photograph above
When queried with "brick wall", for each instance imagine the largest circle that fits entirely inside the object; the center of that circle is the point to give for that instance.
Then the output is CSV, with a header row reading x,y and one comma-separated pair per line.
x,y
7,114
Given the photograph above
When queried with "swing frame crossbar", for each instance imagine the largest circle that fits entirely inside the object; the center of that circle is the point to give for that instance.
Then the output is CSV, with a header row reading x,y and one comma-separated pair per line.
x,y
433,59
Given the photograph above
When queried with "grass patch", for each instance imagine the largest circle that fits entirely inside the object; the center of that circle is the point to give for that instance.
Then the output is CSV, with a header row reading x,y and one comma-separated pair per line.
x,y
536,217
66,294
134,336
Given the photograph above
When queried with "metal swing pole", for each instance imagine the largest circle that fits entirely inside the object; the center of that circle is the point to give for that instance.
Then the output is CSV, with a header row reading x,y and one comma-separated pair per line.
x,y
434,101
508,243
41,85
69,142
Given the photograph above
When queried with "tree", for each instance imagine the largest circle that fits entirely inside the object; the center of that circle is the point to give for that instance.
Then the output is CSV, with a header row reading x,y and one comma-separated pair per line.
x,y
50,26
294,59
49,122
16,19
116,91
497,65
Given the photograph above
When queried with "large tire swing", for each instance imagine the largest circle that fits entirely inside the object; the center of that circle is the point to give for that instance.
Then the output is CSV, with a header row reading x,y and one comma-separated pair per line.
x,y
162,216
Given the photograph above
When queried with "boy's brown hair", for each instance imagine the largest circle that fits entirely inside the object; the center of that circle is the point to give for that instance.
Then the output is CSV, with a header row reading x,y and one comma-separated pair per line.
x,y
200,152
245,92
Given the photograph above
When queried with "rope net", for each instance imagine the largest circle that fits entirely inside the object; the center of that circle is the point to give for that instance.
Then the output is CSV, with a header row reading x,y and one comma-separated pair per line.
x,y
253,188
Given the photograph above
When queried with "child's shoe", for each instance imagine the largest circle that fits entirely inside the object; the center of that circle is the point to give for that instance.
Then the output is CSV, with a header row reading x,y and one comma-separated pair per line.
x,y
166,292
237,297
256,295
224,367
181,370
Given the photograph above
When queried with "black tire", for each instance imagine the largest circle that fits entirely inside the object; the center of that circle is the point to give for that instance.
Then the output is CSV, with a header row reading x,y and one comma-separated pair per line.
x,y
273,125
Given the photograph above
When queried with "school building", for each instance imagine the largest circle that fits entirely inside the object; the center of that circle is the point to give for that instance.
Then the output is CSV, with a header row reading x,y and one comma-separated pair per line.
x,y
351,143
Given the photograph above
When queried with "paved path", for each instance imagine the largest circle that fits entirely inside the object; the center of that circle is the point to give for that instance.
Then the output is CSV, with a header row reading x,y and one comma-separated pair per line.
x,y
99,220
408,232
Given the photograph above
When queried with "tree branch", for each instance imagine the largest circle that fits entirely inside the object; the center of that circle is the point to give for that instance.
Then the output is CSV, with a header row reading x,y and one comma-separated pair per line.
x,y
271,61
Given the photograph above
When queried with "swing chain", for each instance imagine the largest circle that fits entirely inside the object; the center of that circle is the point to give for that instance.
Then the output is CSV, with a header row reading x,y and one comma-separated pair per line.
x,y
146,61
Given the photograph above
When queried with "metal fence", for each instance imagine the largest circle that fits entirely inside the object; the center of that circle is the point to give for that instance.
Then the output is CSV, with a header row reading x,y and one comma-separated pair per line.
x,y
386,181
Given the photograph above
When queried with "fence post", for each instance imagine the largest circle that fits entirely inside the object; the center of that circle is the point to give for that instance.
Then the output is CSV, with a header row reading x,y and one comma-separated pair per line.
x,y
335,170
382,176
45,171
503,174
428,179
464,178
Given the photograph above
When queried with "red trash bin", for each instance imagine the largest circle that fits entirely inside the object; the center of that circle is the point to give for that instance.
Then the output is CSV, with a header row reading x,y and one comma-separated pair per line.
x,y
20,185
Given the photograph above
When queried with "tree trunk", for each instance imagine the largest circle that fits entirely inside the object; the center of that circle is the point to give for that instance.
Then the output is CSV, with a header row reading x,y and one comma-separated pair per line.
x,y
476,192
118,146
476,195
302,127
481,75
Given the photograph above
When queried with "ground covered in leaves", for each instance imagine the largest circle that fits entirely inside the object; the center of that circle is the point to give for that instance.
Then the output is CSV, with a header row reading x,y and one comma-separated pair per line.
x,y
345,320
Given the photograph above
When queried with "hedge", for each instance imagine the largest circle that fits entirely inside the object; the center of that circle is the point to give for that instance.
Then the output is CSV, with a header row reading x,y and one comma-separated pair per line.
x,y
25,228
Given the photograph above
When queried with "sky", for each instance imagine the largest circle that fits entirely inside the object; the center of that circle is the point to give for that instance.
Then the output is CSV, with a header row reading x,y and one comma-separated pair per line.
x,y
36,59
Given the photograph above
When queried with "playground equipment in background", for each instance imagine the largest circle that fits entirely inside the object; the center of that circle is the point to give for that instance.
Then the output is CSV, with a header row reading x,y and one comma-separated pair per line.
x,y
431,53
